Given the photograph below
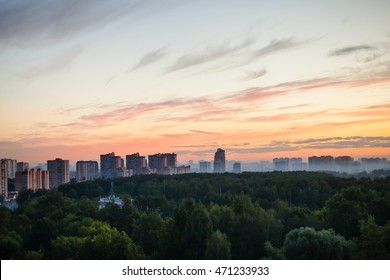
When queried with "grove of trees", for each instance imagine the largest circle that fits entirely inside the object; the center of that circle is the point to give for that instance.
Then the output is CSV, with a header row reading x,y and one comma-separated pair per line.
x,y
290,215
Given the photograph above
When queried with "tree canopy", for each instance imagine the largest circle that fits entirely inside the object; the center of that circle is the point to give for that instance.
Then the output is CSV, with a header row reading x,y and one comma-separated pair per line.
x,y
290,215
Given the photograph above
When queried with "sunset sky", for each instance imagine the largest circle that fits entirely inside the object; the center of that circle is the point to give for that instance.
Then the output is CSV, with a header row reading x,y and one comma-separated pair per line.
x,y
260,79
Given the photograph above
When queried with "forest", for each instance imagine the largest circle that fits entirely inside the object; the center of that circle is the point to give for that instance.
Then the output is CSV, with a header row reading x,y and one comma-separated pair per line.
x,y
274,215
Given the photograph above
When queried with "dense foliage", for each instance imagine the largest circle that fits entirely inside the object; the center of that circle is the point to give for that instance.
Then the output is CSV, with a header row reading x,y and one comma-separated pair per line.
x,y
294,215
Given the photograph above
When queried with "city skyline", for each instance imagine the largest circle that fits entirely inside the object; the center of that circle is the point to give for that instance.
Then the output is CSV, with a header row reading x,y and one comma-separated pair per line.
x,y
258,79
136,162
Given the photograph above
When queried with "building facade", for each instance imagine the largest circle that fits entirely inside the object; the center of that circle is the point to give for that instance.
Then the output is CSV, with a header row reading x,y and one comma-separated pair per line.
x,y
22,166
343,164
163,163
11,167
281,164
204,166
32,179
137,163
182,169
59,172
219,161
87,170
3,178
109,164
237,167
322,163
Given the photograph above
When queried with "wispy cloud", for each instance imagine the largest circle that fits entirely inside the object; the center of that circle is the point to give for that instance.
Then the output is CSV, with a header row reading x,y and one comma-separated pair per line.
x,y
111,79
344,142
204,132
233,107
210,54
150,58
276,46
252,75
351,49
300,145
51,65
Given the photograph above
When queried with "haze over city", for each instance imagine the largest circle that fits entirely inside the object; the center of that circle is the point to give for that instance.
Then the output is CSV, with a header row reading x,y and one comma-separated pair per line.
x,y
260,79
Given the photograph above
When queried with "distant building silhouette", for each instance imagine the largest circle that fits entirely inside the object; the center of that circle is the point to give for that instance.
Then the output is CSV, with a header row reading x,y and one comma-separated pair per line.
x,y
22,166
296,164
281,164
219,161
87,170
163,163
204,166
322,163
182,169
109,164
370,164
137,163
237,167
58,172
3,178
343,164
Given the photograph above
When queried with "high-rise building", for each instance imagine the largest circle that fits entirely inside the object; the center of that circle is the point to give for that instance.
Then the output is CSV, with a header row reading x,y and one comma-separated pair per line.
x,y
322,163
219,161
171,159
11,167
343,164
237,167
204,166
32,179
281,164
296,164
370,164
87,170
182,169
136,163
21,166
3,178
58,172
163,163
109,164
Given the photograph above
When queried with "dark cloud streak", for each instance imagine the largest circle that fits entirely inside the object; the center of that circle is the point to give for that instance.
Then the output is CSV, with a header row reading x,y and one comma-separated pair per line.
x,y
275,46
351,50
254,74
150,58
208,55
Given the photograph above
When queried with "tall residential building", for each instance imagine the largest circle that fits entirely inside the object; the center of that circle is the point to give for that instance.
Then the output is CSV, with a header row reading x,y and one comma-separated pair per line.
x,y
3,178
109,164
296,164
11,165
322,163
237,167
21,166
204,166
171,160
343,164
58,172
219,161
281,164
32,179
370,164
87,170
136,163
163,163
182,169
